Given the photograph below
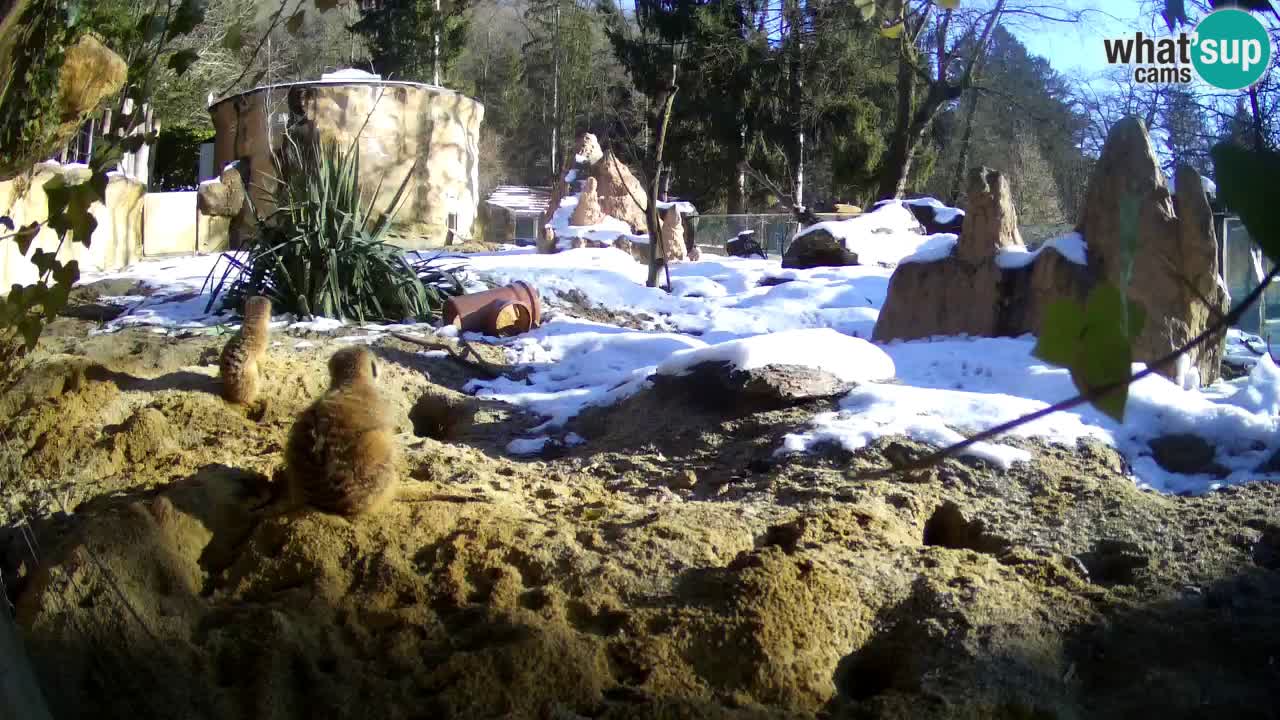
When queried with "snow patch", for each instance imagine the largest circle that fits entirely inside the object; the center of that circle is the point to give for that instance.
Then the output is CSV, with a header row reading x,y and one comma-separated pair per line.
x,y
1071,246
850,359
942,212
938,247
886,235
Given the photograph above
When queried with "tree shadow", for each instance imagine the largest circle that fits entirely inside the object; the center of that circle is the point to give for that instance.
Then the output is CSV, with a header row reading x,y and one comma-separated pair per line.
x,y
183,380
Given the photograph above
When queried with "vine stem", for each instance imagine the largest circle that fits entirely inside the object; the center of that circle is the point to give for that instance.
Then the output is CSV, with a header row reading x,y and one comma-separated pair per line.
x,y
1217,327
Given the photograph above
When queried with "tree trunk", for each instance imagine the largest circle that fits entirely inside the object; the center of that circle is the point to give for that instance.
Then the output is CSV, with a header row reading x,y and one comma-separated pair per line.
x,y
897,162
738,196
795,72
666,99
555,103
958,178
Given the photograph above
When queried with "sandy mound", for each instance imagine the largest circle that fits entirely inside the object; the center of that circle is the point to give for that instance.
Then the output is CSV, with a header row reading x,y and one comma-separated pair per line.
x,y
668,568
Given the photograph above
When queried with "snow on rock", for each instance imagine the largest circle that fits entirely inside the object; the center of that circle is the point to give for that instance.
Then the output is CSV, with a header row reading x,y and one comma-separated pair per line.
x,y
696,286
1261,393
974,384
1071,246
938,247
942,212
605,231
528,446
847,358
886,235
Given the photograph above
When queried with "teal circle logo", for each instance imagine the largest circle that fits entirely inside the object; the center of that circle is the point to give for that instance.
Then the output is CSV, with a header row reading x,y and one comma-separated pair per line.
x,y
1232,49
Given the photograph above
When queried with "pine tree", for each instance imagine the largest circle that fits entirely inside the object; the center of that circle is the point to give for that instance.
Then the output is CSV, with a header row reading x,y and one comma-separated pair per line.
x,y
414,39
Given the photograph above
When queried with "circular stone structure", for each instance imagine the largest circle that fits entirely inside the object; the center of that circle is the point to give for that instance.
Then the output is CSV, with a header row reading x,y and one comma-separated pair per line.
x,y
398,124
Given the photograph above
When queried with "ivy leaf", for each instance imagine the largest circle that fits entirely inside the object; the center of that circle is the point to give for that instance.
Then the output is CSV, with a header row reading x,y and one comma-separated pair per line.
x,y
7,222
294,24
25,236
1060,331
182,60
234,39
187,16
867,8
1107,357
45,261
1247,180
30,328
894,30
150,26
69,209
1094,342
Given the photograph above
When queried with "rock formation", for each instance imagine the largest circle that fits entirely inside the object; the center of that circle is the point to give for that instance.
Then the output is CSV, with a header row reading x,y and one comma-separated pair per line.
x,y
990,223
620,194
818,248
224,197
673,247
968,292
722,387
587,211
1174,261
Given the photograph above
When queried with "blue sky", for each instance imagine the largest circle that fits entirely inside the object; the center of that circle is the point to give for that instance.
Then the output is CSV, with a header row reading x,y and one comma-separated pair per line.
x,y
1078,48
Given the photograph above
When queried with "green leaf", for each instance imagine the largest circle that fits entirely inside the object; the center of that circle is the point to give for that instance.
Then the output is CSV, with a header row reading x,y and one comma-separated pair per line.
x,y
1060,331
1247,180
1107,307
1107,358
182,60
25,236
294,24
30,327
234,39
68,274
45,261
69,209
327,5
187,16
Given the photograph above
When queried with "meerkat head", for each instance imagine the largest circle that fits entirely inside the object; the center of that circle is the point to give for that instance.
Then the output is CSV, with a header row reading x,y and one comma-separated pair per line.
x,y
257,312
352,364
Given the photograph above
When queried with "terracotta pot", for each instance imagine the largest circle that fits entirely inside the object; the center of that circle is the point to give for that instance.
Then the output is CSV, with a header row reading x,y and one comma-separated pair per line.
x,y
478,312
510,318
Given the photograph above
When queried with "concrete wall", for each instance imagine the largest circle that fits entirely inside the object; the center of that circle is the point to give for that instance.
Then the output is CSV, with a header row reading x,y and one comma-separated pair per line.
x,y
116,242
172,226
132,225
398,124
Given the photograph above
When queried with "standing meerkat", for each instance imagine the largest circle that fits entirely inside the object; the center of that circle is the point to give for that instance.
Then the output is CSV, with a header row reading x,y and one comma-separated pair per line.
x,y
341,452
238,366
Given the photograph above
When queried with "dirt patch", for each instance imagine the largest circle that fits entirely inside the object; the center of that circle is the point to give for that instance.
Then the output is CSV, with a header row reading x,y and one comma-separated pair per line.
x,y
673,566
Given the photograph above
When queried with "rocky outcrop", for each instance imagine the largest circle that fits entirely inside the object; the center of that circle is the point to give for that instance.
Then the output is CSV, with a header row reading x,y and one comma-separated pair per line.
x,y
619,193
968,292
587,211
673,246
1175,259
224,197
1173,253
721,386
990,223
818,248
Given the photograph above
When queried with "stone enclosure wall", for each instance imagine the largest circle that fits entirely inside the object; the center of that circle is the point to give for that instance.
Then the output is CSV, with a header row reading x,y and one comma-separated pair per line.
x,y
400,126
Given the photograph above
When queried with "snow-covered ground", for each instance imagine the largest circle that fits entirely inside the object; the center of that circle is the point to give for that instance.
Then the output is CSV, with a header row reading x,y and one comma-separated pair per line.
x,y
752,312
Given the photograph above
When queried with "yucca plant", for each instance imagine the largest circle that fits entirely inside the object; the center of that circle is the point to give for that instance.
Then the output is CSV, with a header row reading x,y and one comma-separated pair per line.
x,y
324,250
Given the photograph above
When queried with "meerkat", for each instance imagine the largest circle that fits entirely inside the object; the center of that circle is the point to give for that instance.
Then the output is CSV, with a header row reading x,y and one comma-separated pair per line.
x,y
341,452
241,355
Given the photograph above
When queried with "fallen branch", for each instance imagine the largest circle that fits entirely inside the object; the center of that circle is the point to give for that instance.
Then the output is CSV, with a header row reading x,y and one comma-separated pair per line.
x,y
479,364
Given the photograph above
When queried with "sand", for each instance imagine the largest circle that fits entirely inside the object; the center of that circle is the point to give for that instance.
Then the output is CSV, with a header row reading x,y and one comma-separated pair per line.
x,y
669,568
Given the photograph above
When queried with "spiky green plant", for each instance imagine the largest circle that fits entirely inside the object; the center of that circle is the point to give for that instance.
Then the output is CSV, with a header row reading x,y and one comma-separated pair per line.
x,y
324,250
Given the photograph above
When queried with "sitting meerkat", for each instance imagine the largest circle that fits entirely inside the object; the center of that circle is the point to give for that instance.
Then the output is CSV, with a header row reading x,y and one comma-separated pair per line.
x,y
238,366
341,453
